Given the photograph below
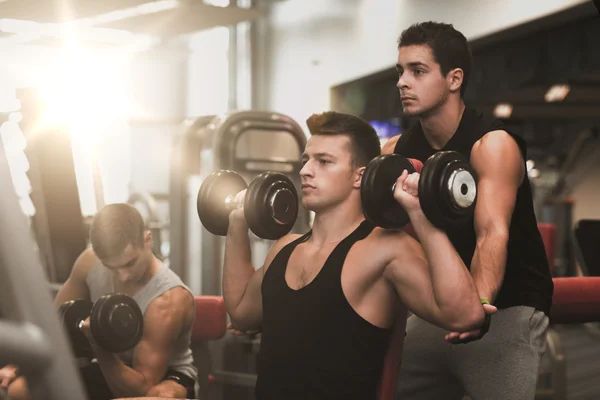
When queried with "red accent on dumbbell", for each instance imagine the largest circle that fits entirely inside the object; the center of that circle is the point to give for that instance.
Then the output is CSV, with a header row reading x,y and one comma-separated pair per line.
x,y
416,163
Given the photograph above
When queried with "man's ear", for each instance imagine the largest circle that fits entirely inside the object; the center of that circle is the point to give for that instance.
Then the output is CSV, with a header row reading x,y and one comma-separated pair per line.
x,y
359,175
455,79
148,239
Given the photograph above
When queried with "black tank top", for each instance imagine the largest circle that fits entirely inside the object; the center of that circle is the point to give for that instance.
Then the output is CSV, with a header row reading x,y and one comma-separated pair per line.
x,y
527,279
314,345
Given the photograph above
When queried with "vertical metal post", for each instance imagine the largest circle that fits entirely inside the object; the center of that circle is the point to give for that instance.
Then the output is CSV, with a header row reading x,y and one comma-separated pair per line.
x,y
233,64
25,297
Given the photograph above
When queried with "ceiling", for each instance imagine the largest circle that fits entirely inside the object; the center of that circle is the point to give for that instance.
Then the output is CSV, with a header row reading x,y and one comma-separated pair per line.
x,y
161,18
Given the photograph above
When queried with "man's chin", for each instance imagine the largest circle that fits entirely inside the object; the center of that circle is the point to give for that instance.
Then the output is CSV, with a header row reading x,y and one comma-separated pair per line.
x,y
411,111
310,206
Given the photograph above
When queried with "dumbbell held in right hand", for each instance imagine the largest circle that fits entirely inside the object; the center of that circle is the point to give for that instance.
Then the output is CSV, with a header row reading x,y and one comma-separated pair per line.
x,y
270,203
116,323
447,190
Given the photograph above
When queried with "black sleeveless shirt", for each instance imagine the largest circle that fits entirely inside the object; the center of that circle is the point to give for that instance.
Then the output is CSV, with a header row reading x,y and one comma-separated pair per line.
x,y
314,345
527,280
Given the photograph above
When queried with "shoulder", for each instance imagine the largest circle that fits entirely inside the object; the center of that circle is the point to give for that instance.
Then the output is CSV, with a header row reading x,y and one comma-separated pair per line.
x,y
497,153
390,145
497,138
278,246
496,145
177,301
84,263
285,240
397,250
282,242
393,243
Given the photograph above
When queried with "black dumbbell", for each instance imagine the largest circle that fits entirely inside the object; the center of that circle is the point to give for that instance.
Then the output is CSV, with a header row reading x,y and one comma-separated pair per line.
x,y
447,190
270,203
72,314
116,322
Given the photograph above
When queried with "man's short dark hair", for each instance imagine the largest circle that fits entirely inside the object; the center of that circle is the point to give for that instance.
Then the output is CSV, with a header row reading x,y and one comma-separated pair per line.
x,y
448,46
365,144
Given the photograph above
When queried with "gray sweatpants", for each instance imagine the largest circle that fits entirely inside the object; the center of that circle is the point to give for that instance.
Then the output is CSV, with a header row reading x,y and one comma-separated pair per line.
x,y
503,365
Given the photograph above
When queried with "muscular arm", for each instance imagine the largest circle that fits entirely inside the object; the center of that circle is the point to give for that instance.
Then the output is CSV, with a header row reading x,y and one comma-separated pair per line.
x,y
164,320
241,282
500,168
433,281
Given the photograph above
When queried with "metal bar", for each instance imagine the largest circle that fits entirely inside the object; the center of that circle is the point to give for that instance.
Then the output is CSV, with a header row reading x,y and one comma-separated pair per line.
x,y
233,66
98,185
24,345
24,296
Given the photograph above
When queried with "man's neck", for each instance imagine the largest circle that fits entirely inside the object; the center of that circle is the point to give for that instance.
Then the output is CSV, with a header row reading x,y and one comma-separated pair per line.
x,y
333,225
441,125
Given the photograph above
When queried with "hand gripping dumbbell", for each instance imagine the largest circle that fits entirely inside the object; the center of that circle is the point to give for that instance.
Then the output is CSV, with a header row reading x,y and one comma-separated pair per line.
x,y
116,323
270,203
447,190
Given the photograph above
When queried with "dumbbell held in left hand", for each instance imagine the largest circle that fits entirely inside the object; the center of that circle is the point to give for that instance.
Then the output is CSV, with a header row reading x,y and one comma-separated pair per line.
x,y
270,203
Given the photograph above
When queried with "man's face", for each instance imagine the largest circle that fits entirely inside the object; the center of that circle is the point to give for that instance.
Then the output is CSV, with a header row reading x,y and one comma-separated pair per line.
x,y
422,86
131,265
327,175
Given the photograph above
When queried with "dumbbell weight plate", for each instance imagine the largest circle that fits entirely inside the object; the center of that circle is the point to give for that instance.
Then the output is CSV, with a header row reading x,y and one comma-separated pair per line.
x,y
271,205
117,323
377,196
448,190
212,197
71,314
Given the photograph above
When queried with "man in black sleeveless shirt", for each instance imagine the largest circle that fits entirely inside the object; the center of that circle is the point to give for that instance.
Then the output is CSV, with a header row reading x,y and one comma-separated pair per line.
x,y
503,247
327,300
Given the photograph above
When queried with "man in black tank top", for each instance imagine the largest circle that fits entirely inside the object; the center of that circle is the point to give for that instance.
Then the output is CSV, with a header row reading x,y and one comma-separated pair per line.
x,y
327,300
503,247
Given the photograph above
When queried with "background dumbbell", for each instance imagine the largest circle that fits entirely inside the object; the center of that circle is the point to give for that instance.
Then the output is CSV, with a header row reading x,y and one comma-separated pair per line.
x,y
270,203
116,322
447,190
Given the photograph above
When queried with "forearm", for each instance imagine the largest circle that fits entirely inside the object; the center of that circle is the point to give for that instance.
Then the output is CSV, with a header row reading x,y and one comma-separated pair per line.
x,y
238,268
454,291
122,380
488,264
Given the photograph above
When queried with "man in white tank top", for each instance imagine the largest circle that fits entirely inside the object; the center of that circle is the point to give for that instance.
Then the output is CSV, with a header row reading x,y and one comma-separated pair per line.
x,y
121,261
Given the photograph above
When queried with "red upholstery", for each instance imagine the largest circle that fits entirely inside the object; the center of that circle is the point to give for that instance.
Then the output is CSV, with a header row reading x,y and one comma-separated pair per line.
x,y
576,300
211,319
416,163
393,358
548,232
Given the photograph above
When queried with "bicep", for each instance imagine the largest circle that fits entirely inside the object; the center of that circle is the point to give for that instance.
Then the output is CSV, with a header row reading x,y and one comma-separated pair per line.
x,y
495,204
249,311
163,324
500,169
410,277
